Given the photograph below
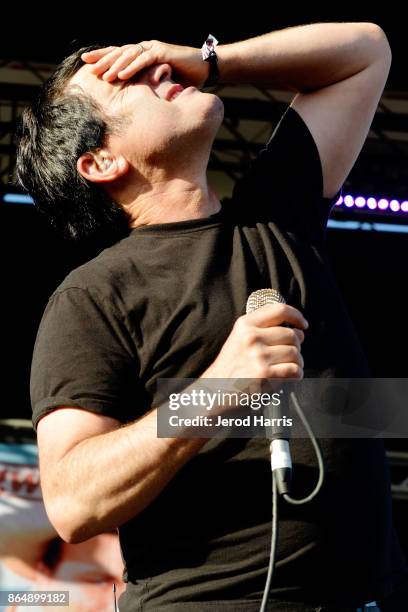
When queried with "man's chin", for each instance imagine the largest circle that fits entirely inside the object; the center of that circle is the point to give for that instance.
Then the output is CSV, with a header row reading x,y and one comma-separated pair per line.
x,y
215,105
218,108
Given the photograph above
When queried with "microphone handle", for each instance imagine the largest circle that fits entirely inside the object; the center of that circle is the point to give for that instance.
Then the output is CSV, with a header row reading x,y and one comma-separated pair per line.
x,y
281,461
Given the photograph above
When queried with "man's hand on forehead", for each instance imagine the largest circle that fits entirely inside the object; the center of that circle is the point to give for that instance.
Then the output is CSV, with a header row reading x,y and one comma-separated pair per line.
x,y
123,63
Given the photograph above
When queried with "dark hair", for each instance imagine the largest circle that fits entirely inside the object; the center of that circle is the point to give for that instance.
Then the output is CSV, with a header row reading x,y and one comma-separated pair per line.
x,y
54,131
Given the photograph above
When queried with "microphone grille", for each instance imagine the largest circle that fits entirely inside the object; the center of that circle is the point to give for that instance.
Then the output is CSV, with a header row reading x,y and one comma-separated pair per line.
x,y
263,296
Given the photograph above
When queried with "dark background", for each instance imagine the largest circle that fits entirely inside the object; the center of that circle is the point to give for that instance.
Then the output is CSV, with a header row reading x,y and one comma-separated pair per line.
x,y
370,267
48,35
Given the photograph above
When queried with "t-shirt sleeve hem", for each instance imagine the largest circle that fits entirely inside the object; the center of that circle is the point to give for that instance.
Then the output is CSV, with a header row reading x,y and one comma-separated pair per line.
x,y
102,408
322,205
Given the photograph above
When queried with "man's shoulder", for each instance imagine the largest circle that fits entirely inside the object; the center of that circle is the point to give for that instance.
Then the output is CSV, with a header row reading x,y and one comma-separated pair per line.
x,y
103,274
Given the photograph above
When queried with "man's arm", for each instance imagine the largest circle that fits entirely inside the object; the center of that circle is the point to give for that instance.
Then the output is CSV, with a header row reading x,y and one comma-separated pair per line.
x,y
97,475
339,71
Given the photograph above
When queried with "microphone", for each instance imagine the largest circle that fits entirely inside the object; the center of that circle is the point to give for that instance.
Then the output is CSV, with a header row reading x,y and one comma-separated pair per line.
x,y
281,461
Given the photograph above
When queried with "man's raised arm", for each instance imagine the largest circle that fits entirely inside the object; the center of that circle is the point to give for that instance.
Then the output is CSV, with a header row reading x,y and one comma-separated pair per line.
x,y
338,71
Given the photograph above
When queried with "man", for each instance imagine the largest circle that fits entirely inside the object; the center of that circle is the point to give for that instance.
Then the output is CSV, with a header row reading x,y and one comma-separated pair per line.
x,y
168,300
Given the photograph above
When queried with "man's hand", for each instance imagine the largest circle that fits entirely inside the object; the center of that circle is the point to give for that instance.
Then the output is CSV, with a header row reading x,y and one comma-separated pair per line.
x,y
124,62
260,347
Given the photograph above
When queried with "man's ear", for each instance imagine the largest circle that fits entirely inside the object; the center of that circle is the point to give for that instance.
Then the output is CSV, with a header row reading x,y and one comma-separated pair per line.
x,y
102,167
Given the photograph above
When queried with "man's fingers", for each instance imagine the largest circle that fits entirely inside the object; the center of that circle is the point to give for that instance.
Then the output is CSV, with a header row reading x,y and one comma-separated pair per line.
x,y
126,58
282,336
89,57
277,314
286,370
106,61
285,354
142,61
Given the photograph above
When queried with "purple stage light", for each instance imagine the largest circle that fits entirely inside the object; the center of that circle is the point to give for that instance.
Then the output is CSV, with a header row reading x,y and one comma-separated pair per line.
x,y
383,204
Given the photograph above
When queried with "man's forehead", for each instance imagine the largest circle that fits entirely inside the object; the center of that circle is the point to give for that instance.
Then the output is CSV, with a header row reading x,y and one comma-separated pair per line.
x,y
92,84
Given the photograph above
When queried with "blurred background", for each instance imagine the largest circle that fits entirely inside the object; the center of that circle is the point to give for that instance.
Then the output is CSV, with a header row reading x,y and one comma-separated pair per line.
x,y
368,229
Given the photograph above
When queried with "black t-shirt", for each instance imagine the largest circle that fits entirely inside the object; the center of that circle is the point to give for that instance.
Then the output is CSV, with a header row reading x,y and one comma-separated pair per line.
x,y
161,303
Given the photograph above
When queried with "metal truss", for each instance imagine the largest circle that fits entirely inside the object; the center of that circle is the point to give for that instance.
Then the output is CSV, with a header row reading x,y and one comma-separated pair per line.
x,y
19,83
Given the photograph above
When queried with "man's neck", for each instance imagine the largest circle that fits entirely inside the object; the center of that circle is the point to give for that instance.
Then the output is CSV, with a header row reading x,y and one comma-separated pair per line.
x,y
176,200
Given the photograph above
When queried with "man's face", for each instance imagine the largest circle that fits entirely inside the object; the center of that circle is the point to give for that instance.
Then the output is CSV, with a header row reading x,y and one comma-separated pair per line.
x,y
157,118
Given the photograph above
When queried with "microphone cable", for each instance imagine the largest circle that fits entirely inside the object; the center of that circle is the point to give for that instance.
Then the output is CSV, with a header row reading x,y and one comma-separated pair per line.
x,y
290,500
274,542
282,467
318,453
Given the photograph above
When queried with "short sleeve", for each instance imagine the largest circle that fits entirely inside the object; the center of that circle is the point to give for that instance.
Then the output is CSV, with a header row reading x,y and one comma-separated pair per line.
x,y
284,183
83,357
